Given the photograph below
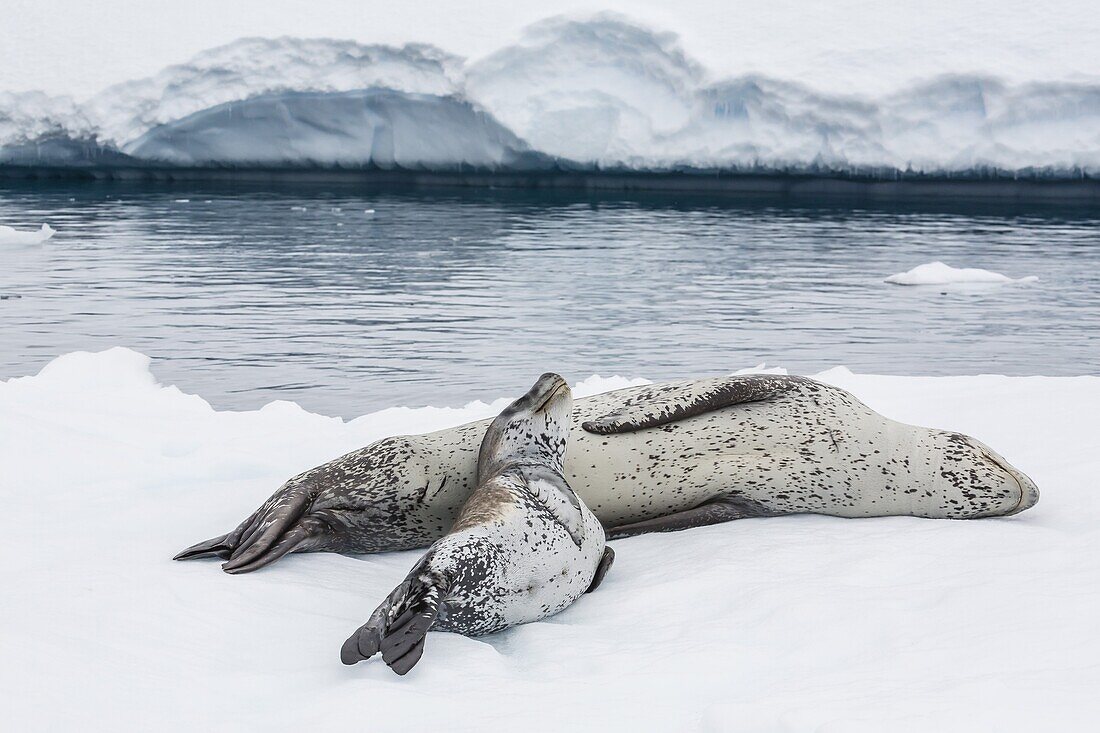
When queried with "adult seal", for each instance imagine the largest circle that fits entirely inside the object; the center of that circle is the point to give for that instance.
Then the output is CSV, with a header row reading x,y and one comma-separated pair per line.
x,y
524,547
652,458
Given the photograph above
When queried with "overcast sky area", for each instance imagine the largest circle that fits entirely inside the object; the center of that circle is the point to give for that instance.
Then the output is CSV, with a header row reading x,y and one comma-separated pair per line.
x,y
78,47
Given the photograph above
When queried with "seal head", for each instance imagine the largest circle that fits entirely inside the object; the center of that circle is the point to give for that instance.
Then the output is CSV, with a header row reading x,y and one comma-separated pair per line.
x,y
533,430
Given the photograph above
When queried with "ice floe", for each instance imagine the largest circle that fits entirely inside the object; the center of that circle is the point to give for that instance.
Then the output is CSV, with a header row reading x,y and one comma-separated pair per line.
x,y
9,235
938,273
789,623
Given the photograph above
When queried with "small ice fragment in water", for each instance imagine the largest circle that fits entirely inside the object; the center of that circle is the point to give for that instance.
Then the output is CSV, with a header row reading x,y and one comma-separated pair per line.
x,y
297,208
181,201
368,211
937,273
15,236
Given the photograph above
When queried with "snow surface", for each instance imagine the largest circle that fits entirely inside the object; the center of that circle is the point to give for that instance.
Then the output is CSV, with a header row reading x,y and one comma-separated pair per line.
x,y
601,90
8,235
784,624
937,273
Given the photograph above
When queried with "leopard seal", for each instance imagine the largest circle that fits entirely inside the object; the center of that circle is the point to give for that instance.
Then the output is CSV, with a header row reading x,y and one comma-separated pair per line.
x,y
524,547
650,458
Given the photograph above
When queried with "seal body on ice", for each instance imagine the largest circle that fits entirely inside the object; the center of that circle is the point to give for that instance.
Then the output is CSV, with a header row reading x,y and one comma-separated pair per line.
x,y
651,458
523,547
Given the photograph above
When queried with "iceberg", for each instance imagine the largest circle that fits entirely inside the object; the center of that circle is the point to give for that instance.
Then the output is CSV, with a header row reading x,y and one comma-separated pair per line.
x,y
571,94
376,127
8,235
254,67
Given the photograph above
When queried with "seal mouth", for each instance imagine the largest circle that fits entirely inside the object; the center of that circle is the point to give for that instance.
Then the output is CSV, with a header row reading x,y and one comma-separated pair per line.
x,y
556,389
1029,492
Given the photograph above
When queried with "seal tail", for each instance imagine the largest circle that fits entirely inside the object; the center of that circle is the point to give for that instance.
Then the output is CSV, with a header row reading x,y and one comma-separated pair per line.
x,y
399,626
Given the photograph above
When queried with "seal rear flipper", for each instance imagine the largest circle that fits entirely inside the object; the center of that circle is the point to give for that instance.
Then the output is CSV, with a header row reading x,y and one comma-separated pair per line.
x,y
714,511
216,547
601,570
670,403
261,531
224,545
302,536
400,624
274,532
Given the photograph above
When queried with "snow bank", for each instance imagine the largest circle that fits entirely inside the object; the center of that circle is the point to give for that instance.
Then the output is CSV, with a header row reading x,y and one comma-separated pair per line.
x,y
16,236
937,273
600,91
783,624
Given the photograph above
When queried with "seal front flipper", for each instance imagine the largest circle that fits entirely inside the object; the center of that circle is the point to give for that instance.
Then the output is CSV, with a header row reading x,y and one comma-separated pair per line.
x,y
555,495
606,562
398,626
715,511
670,403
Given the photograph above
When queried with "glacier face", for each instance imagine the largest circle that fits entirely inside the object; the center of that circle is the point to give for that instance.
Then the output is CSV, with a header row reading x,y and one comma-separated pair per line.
x,y
602,91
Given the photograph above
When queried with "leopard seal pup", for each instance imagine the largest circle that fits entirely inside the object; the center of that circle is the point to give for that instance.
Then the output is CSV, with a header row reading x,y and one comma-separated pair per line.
x,y
523,547
650,458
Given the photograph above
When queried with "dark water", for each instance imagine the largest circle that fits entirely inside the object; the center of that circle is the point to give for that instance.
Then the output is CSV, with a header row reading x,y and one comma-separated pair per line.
x,y
438,298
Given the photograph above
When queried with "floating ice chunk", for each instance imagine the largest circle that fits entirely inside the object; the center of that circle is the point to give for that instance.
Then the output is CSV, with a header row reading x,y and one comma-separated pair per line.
x,y
597,384
761,369
181,201
15,236
368,211
937,273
